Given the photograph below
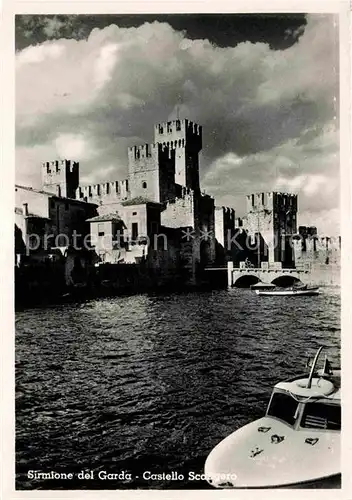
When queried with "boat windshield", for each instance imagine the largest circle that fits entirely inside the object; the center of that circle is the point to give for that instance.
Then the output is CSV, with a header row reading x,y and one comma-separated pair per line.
x,y
321,416
284,407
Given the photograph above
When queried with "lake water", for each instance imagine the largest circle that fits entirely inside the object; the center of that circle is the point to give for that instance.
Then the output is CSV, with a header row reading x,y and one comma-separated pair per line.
x,y
154,382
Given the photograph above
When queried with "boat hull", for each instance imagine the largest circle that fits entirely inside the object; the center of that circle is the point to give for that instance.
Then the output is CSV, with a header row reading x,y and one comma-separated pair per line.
x,y
326,483
309,292
268,454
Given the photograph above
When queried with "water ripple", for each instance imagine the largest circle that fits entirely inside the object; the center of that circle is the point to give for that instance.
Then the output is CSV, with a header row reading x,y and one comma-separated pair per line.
x,y
154,382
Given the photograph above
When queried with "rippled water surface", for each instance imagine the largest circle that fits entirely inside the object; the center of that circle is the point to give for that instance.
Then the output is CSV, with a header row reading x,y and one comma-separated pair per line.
x,y
153,383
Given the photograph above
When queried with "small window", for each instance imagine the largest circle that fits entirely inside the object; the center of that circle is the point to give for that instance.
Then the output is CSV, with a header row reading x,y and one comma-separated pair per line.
x,y
161,130
178,125
169,127
126,185
134,213
144,185
101,230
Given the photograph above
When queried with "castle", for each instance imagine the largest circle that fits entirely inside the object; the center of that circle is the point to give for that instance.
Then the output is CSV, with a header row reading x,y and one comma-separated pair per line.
x,y
161,196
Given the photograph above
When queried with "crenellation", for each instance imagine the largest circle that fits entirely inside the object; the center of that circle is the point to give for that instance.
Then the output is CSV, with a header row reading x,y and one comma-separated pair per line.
x,y
60,177
104,193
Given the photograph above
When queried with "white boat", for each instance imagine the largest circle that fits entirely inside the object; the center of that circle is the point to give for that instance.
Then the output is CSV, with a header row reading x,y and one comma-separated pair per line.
x,y
263,286
295,445
303,290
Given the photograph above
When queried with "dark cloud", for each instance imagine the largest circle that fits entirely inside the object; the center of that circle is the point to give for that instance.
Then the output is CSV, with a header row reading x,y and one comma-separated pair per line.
x,y
268,115
279,31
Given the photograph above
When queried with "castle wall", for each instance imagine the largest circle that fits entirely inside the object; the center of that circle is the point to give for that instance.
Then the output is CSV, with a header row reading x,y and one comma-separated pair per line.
x,y
107,195
315,250
205,228
179,212
224,220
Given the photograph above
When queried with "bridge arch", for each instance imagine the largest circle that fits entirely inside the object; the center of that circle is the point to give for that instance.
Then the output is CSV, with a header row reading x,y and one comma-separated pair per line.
x,y
246,280
286,280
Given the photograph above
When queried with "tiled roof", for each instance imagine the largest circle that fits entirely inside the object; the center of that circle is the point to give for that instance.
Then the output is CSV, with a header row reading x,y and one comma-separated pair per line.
x,y
113,217
139,200
53,195
34,190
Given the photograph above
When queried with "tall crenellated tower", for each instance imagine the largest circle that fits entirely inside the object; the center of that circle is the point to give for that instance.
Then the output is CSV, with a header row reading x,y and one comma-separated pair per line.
x,y
151,170
61,177
185,138
274,217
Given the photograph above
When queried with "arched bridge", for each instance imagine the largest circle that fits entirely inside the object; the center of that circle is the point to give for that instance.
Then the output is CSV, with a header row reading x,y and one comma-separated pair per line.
x,y
281,277
245,277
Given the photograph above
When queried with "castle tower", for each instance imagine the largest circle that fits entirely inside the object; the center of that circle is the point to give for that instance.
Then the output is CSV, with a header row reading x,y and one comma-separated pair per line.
x,y
185,137
274,217
61,177
151,169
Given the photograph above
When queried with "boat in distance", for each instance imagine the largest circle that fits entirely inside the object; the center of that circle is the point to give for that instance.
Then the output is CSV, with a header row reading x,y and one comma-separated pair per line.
x,y
270,289
289,291
295,445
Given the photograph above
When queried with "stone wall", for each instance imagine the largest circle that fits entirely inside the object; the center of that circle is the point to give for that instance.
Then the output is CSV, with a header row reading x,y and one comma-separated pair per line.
x,y
205,229
224,218
317,250
179,212
107,195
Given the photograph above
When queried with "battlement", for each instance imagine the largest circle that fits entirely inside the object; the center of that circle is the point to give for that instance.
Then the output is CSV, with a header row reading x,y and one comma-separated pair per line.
x,y
114,188
227,211
179,134
271,200
144,151
56,166
61,177
317,242
170,127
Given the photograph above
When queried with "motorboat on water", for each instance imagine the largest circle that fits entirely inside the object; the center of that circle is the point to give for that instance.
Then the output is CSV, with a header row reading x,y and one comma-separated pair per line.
x,y
295,445
300,289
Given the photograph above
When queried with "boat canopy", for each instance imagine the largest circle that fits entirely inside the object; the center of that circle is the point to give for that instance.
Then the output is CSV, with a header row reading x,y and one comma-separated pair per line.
x,y
263,285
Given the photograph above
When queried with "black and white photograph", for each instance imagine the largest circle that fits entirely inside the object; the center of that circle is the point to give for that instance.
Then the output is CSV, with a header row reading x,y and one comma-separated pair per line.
x,y
177,251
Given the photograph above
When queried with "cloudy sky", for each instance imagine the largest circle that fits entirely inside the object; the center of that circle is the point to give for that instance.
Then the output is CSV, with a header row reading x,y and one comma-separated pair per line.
x,y
265,89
